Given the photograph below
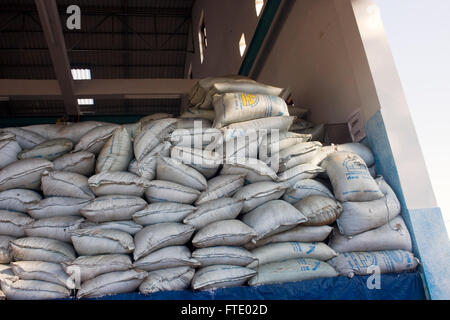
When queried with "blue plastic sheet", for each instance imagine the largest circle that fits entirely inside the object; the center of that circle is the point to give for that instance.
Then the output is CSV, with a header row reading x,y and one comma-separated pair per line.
x,y
403,286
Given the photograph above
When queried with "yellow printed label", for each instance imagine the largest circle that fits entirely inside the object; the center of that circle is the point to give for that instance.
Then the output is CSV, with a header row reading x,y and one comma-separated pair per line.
x,y
248,99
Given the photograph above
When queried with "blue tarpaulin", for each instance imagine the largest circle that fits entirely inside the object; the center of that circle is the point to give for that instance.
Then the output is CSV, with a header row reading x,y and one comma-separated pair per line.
x,y
403,286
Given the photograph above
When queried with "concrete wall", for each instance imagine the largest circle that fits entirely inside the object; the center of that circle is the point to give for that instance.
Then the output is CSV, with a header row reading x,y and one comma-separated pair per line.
x,y
310,56
225,21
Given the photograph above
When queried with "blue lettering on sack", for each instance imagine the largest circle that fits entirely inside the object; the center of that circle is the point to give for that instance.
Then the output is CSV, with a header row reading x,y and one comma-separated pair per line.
x,y
296,246
311,249
316,266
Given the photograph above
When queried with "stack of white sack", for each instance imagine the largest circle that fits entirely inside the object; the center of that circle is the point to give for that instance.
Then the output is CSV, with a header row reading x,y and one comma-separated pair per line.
x,y
173,188
371,235
290,211
146,204
220,236
36,245
288,246
105,242
39,231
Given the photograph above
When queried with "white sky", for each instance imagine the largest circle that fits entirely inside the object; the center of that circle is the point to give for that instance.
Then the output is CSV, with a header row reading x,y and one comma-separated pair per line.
x,y
419,35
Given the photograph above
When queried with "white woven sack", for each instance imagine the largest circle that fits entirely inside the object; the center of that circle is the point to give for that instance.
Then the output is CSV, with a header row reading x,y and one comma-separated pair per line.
x,y
363,263
299,234
13,223
231,255
5,255
304,188
88,267
292,270
112,283
18,199
198,92
65,184
49,150
350,177
33,290
41,249
166,191
224,233
152,135
255,170
72,131
119,182
322,154
170,279
175,171
198,138
264,124
146,168
204,161
117,152
81,162
220,187
300,172
241,85
94,140
24,174
214,210
58,228
127,226
319,210
221,276
112,208
394,235
239,106
281,251
273,217
269,144
298,154
44,271
256,194
9,149
157,236
57,207
160,212
26,138
357,217
167,257
361,150
90,242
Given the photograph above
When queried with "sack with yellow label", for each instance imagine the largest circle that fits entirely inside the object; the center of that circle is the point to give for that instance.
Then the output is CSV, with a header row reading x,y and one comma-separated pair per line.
x,y
237,107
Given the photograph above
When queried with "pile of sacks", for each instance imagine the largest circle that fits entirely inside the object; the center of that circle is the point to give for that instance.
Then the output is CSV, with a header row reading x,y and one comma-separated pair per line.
x,y
223,196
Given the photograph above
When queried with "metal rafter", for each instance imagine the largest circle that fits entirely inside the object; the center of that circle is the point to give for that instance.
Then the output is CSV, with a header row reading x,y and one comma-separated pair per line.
x,y
176,30
89,32
9,21
21,89
51,25
77,32
106,50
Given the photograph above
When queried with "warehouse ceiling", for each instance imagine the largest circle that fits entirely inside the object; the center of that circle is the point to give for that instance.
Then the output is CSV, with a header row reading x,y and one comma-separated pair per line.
x,y
117,39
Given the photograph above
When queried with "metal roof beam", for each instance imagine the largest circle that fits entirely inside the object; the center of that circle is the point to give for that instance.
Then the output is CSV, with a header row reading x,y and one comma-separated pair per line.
x,y
77,33
51,25
103,50
92,65
23,89
128,87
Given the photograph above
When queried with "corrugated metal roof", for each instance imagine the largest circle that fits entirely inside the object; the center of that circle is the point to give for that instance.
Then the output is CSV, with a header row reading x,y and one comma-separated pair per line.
x,y
118,39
